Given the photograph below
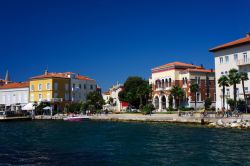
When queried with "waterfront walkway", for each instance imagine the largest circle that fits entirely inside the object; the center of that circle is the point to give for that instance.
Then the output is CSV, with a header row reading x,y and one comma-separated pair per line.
x,y
164,118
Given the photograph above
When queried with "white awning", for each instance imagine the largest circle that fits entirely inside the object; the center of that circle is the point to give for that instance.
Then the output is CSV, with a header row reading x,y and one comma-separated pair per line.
x,y
47,108
29,107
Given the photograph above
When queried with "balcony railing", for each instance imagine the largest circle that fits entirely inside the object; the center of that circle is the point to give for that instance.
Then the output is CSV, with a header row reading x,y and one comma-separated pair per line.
x,y
163,88
57,99
243,62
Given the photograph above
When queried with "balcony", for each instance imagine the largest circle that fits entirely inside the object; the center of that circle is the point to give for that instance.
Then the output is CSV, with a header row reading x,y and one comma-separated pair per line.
x,y
242,62
57,99
163,88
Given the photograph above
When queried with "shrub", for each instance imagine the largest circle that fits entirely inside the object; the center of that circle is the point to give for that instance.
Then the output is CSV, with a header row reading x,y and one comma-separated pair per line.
x,y
147,109
207,103
241,106
230,102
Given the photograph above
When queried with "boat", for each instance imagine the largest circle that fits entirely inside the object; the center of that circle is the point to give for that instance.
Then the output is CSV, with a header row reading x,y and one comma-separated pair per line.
x,y
75,118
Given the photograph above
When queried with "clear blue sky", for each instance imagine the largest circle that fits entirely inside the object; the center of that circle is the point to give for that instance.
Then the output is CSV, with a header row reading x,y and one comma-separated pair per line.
x,y
111,40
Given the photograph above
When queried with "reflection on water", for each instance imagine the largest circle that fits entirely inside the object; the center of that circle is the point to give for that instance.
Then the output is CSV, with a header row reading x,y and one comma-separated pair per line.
x,y
112,143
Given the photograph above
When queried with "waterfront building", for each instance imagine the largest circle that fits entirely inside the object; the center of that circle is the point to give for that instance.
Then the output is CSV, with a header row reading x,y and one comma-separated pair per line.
x,y
232,55
14,95
164,77
112,97
58,87
81,86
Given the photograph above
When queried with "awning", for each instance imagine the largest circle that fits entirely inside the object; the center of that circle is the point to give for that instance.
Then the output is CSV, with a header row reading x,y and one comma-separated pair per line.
x,y
29,107
47,108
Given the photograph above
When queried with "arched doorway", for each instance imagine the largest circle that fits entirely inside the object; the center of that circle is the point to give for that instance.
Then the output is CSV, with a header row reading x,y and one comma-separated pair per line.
x,y
163,102
156,102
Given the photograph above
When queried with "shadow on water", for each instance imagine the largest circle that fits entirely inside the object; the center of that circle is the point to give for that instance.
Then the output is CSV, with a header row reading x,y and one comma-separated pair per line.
x,y
120,143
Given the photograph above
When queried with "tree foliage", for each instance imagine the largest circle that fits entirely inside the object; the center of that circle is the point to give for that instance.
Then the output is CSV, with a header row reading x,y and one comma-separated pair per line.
x,y
136,91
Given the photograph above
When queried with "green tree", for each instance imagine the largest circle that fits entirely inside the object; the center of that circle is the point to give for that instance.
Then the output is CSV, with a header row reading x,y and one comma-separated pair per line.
x,y
170,101
223,82
178,93
207,103
95,98
136,91
243,78
194,88
234,79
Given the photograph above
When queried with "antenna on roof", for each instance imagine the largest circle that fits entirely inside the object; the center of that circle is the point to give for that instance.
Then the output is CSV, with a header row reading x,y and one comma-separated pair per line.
x,y
46,70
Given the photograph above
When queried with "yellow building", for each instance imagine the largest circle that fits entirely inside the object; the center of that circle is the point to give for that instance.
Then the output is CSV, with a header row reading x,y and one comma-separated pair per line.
x,y
50,87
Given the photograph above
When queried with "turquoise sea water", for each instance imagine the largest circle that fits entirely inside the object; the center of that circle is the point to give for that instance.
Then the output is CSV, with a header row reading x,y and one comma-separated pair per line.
x,y
117,143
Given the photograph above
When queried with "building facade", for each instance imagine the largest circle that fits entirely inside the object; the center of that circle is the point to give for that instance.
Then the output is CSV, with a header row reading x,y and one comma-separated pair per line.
x,y
232,55
50,87
81,86
112,97
14,95
164,77
59,87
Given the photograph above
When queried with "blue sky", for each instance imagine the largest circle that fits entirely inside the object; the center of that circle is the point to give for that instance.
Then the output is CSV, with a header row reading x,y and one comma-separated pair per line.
x,y
111,40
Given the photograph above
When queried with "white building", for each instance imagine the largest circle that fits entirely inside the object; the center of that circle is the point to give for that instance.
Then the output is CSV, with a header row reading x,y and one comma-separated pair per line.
x,y
113,94
235,54
14,95
81,86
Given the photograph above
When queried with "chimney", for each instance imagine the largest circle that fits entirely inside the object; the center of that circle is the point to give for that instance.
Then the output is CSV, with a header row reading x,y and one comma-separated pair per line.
x,y
248,34
46,72
7,77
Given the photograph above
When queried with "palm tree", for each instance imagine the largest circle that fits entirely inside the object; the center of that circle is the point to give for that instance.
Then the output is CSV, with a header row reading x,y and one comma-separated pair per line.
x,y
194,88
244,77
234,79
223,82
177,92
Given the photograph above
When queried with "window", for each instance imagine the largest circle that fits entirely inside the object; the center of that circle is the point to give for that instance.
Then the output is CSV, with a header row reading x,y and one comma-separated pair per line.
x,y
66,87
228,92
91,87
32,97
222,73
246,89
39,87
80,86
32,87
48,96
237,92
170,82
236,57
55,85
197,80
245,57
198,97
225,72
40,97
55,95
84,86
183,80
221,60
66,96
48,86
227,59
186,80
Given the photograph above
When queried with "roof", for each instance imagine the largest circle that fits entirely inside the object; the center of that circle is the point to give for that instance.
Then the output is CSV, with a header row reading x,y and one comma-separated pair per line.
x,y
176,64
107,93
51,75
15,85
80,77
231,44
201,70
61,75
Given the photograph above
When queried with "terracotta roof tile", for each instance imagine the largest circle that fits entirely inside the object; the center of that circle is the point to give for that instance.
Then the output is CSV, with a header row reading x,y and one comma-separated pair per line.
x,y
174,64
231,44
80,77
15,85
201,70
51,75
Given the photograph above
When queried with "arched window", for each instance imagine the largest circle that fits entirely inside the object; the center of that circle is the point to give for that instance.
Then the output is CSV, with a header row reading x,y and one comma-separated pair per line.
x,y
170,82
166,82
162,83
